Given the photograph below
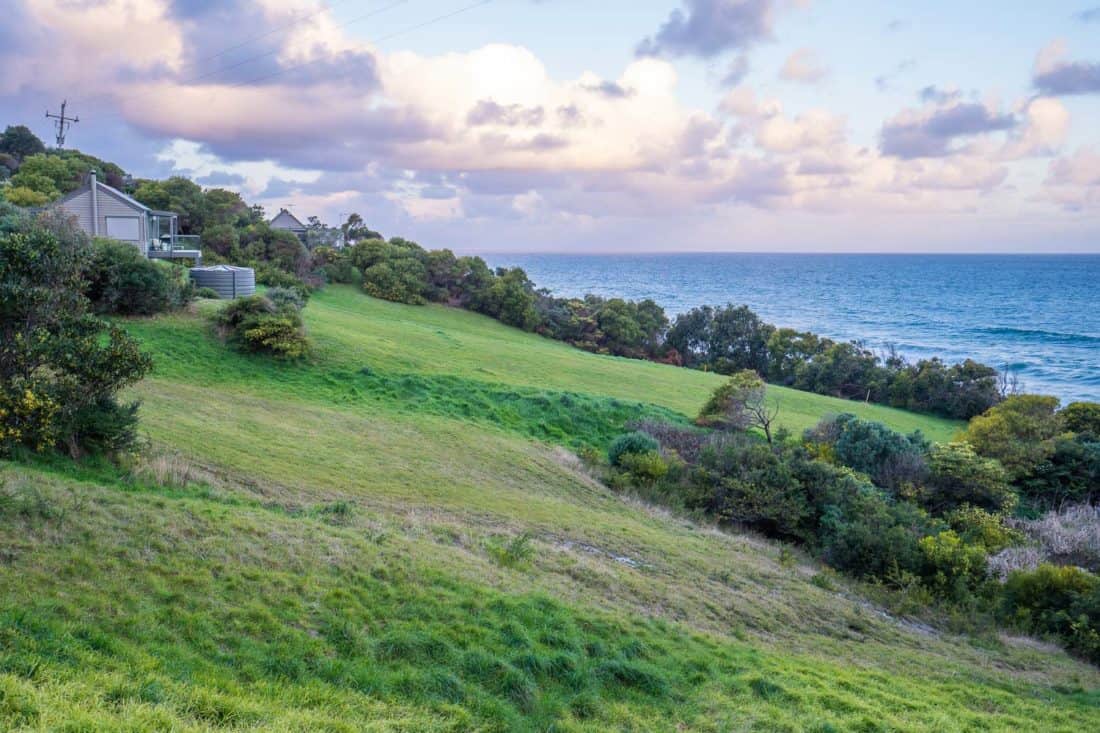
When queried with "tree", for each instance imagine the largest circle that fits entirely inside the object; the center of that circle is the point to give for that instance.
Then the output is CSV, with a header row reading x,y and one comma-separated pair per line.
x,y
1019,432
19,142
60,367
741,403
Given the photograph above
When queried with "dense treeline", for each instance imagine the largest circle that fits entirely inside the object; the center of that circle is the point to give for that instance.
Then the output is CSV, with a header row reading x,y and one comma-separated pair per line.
x,y
929,520
729,339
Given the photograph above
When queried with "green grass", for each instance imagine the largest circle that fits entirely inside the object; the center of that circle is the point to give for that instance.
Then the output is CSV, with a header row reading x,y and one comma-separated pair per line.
x,y
459,364
323,549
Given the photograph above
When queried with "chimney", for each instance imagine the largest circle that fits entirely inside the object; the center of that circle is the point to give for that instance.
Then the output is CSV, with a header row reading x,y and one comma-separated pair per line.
x,y
95,204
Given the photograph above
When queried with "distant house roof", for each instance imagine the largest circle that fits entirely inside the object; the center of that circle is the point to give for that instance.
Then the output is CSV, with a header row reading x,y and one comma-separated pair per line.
x,y
286,220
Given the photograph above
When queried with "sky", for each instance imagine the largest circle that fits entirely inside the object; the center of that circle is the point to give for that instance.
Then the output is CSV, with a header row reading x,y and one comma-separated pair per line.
x,y
611,126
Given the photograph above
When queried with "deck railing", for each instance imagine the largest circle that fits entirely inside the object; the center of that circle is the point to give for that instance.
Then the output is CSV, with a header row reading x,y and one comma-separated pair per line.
x,y
181,242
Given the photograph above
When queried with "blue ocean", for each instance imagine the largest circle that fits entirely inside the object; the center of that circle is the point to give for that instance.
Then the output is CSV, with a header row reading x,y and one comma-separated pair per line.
x,y
1037,316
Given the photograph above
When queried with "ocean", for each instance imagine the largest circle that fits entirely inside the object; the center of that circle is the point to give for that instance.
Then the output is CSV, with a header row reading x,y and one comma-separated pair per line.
x,y
1037,316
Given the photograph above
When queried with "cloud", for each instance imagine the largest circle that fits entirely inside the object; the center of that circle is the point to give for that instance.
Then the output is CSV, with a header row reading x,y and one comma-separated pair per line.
x,y
707,28
939,96
1043,132
1073,182
488,112
932,132
804,67
221,178
1056,77
737,71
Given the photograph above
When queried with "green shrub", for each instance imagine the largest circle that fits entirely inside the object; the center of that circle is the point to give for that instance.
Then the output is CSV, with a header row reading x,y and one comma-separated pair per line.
x,y
122,281
630,443
646,468
892,460
1082,418
957,476
516,551
60,367
287,297
1060,601
207,293
952,566
257,325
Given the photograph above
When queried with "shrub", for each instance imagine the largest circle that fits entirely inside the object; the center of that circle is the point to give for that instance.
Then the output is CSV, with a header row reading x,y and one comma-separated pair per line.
x,y
122,281
646,468
516,551
892,460
257,325
207,293
1082,418
745,481
1019,432
60,367
1061,601
957,476
287,297
630,443
952,567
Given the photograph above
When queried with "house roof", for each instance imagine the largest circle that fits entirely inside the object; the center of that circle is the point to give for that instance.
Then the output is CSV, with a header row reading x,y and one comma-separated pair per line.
x,y
103,187
285,220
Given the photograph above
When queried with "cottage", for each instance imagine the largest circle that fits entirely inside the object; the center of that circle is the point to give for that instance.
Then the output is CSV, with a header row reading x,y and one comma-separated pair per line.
x,y
103,211
289,222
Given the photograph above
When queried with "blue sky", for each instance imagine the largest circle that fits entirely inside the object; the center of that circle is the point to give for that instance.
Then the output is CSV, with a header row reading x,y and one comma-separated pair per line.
x,y
539,125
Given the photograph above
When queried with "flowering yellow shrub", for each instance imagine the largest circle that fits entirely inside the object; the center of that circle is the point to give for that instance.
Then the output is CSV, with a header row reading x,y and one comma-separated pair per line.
x,y
27,418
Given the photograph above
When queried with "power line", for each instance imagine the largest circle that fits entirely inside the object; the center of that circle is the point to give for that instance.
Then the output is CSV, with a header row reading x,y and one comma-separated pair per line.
x,y
273,31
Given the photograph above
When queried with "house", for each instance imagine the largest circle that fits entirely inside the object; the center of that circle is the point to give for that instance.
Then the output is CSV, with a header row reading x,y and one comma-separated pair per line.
x,y
103,211
285,220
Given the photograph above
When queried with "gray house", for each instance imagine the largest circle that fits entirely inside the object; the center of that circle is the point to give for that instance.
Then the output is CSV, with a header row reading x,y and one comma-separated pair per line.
x,y
285,220
103,211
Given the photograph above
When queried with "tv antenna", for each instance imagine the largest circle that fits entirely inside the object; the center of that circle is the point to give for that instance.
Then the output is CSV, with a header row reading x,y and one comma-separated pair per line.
x,y
62,123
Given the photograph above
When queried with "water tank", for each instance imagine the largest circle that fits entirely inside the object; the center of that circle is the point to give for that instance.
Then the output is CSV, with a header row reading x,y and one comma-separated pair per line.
x,y
226,280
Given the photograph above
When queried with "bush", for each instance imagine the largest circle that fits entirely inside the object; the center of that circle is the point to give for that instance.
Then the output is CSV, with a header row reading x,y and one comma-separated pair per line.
x,y
122,281
1082,418
207,293
952,567
1061,601
645,468
892,460
630,443
258,325
60,367
1019,432
957,476
287,298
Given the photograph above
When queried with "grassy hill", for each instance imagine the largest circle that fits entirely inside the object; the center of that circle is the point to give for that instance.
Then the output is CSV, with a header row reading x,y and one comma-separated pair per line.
x,y
392,537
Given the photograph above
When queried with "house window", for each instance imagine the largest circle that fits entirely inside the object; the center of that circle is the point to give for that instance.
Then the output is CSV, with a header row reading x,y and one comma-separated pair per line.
x,y
124,228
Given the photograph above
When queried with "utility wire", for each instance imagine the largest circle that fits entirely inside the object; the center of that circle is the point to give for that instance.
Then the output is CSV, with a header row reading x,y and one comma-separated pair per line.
x,y
305,16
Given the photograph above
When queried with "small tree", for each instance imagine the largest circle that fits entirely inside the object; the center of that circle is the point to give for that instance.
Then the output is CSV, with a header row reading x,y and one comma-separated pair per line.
x,y
740,404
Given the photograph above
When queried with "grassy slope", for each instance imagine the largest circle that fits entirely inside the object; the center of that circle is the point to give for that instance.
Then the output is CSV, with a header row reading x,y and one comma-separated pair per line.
x,y
335,568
